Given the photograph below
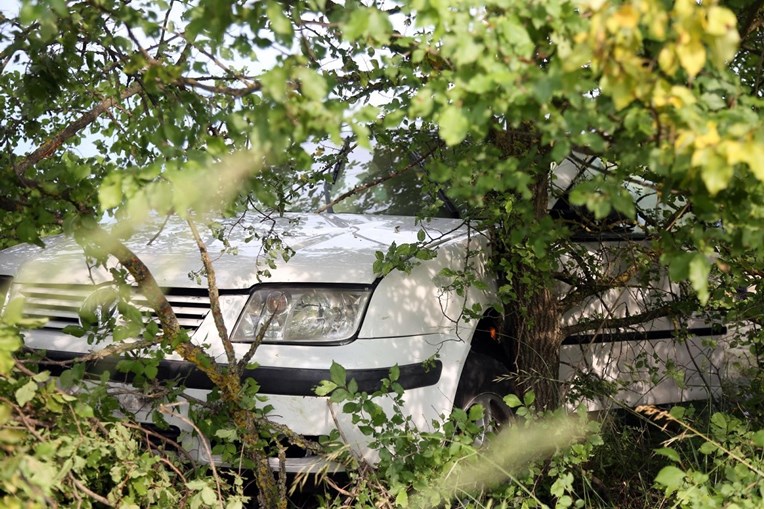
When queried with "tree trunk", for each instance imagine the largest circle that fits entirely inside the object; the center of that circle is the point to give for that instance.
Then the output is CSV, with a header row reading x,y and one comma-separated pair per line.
x,y
534,325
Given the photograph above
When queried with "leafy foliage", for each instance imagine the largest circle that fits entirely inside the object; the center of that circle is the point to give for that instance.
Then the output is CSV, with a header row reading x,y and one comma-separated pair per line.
x,y
66,448
126,110
719,467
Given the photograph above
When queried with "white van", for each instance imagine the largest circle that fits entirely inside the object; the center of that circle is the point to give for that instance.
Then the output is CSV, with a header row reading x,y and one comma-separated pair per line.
x,y
329,307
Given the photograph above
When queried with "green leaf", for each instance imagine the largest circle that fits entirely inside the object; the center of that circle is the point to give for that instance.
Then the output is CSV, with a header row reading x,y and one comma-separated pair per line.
x,y
151,371
74,330
196,485
353,386
208,496
312,85
69,377
692,56
668,453
422,103
337,374
227,434
425,254
453,125
402,498
26,393
512,401
5,413
708,448
379,26
279,22
476,412
698,275
325,387
356,26
716,172
670,477
110,191
678,265
274,83
351,407
26,231
713,101
13,313
369,23
11,436
83,410
467,51
9,341
719,420
339,395
759,438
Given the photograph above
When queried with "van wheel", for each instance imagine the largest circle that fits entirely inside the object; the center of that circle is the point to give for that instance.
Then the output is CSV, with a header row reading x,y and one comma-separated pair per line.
x,y
478,386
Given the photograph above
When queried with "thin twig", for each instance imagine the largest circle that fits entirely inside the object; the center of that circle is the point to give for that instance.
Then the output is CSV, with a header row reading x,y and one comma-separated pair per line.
x,y
165,409
92,494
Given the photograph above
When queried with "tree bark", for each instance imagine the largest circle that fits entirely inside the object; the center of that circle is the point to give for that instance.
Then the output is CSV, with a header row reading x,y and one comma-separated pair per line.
x,y
532,321
535,326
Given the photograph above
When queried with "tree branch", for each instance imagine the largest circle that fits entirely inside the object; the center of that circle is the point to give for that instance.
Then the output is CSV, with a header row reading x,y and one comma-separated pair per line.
x,y
751,20
599,324
156,299
212,288
53,144
92,494
219,89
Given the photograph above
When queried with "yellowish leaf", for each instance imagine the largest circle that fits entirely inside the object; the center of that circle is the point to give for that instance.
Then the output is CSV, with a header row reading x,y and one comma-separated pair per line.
x,y
720,20
657,24
715,171
592,5
750,154
692,56
681,96
709,138
684,139
643,88
624,18
620,88
660,95
723,49
684,8
667,61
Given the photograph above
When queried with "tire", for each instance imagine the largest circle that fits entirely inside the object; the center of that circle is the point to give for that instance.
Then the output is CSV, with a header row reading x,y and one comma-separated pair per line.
x,y
478,386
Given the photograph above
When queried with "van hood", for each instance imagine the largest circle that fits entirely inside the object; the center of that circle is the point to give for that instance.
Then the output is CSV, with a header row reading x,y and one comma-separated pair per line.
x,y
328,248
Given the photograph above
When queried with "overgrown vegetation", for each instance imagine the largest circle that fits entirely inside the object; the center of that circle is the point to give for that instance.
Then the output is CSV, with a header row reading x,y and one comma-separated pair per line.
x,y
116,113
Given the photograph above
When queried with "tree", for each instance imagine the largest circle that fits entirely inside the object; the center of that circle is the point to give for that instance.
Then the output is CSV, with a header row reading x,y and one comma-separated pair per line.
x,y
119,107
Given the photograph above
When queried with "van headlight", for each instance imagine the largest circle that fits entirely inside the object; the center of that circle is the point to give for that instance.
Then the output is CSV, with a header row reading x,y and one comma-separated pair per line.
x,y
5,290
302,315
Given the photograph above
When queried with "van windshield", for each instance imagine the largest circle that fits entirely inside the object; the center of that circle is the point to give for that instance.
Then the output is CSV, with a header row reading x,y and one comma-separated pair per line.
x,y
385,180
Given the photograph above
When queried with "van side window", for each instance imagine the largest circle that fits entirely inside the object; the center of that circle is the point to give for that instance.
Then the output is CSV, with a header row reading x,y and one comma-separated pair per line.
x,y
582,222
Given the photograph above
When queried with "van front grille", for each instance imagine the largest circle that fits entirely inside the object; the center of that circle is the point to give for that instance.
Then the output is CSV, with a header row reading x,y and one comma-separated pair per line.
x,y
61,304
